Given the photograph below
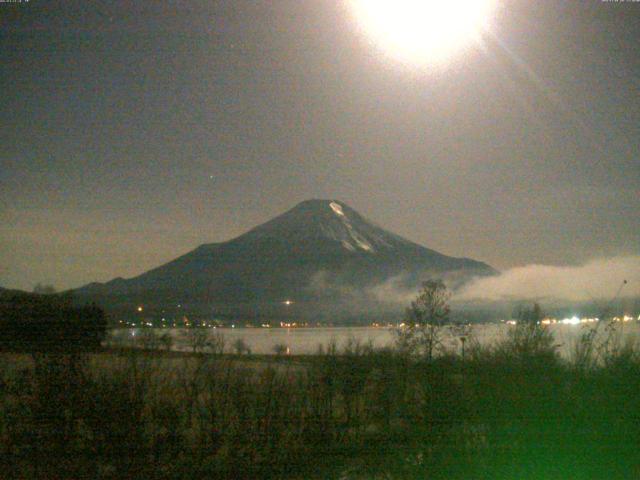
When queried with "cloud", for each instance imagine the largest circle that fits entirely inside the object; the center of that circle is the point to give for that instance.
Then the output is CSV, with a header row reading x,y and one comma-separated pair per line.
x,y
597,279
390,293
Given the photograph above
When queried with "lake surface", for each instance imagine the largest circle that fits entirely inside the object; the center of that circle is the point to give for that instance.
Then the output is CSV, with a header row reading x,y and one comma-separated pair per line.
x,y
307,340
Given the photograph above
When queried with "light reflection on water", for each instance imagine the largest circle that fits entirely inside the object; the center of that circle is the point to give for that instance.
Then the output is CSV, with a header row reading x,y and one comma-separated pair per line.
x,y
307,340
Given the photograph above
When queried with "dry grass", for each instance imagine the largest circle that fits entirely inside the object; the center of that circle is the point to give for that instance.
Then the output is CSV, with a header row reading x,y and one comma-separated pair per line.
x,y
506,412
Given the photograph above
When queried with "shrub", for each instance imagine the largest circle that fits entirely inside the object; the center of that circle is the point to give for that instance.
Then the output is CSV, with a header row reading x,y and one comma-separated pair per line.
x,y
240,346
280,349
529,341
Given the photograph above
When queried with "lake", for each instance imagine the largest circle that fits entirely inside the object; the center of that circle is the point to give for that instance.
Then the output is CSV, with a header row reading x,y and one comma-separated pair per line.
x,y
307,340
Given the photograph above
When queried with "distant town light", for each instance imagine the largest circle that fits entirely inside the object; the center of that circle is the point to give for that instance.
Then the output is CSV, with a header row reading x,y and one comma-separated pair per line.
x,y
570,321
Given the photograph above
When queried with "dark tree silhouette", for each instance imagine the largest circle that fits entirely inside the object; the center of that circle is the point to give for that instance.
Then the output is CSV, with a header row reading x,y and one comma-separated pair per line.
x,y
49,324
45,289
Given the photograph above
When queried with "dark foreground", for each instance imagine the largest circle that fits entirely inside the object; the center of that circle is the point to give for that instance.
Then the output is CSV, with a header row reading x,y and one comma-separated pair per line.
x,y
511,411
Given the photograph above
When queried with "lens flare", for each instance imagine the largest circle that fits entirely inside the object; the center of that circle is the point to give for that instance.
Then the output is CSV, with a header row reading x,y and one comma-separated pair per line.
x,y
423,31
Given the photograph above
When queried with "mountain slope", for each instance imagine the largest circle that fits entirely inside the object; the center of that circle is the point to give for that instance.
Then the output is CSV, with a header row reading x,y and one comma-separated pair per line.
x,y
311,254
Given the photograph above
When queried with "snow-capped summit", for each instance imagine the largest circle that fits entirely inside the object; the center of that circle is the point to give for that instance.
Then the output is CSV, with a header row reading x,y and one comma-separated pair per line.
x,y
329,219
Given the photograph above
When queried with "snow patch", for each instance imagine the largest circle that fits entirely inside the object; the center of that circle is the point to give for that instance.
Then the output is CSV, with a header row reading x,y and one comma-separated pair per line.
x,y
359,239
348,246
337,208
347,235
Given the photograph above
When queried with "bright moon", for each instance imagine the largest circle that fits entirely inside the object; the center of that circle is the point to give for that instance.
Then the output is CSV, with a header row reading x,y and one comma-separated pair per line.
x,y
423,31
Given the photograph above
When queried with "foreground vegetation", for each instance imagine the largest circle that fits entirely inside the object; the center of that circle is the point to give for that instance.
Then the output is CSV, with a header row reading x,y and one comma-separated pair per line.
x,y
514,409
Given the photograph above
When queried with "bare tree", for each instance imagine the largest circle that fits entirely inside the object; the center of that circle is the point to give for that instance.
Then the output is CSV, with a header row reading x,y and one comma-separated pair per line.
x,y
196,338
216,343
424,319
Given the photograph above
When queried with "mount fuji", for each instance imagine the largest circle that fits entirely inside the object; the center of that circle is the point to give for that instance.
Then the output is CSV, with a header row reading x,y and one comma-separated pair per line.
x,y
319,260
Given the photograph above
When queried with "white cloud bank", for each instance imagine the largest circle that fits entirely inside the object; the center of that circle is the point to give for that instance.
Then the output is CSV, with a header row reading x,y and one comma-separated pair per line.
x,y
597,279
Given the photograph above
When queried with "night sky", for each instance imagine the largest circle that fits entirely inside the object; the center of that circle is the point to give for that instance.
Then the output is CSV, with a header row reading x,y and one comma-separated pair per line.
x,y
134,131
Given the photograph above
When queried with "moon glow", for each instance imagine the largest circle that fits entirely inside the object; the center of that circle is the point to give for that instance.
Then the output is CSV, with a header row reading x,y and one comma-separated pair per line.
x,y
423,31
